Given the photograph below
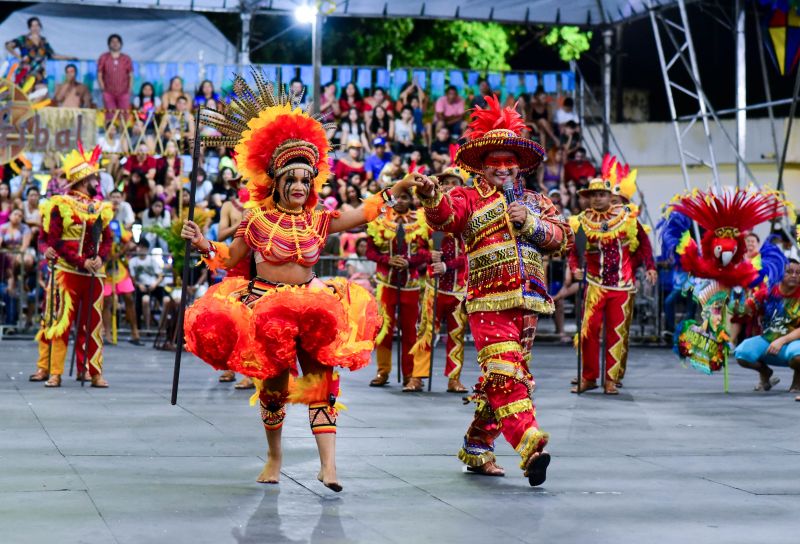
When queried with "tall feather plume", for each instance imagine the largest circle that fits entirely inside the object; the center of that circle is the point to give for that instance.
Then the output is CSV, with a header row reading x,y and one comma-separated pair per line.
x,y
739,208
494,117
608,167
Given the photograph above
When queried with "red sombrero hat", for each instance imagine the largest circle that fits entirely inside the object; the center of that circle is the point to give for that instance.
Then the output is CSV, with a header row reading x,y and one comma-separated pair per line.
x,y
497,129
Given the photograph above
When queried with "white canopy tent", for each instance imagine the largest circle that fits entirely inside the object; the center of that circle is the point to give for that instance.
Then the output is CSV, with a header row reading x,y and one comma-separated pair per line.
x,y
158,36
576,12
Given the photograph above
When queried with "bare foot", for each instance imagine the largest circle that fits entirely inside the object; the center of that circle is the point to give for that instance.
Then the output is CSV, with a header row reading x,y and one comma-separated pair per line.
x,y
272,470
328,478
489,468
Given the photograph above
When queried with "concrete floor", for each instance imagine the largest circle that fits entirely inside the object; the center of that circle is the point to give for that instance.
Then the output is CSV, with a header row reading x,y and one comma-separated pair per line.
x,y
672,459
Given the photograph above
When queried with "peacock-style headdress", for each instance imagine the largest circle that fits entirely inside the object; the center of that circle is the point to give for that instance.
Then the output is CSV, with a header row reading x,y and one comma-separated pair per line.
x,y
271,134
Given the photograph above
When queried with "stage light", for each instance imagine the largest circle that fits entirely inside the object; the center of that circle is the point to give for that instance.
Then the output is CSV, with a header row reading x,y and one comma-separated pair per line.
x,y
305,14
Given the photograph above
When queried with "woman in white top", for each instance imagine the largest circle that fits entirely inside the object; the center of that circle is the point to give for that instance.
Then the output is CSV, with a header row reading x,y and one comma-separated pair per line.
x,y
361,270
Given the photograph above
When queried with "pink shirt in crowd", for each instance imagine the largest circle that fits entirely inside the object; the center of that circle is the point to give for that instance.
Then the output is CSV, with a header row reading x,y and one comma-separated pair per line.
x,y
449,110
116,73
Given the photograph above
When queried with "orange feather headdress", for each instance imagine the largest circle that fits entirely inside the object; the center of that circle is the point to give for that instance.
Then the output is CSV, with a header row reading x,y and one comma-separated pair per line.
x,y
495,128
271,134
78,164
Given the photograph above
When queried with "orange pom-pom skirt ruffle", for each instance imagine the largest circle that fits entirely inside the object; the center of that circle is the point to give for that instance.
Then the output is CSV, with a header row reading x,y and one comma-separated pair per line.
x,y
336,325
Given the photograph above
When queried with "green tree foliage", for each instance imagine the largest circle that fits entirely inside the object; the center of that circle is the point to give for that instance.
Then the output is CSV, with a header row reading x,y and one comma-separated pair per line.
x,y
569,41
435,44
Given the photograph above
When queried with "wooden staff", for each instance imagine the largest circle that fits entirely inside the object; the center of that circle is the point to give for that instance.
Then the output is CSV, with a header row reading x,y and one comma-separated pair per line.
x,y
176,373
437,246
580,249
52,316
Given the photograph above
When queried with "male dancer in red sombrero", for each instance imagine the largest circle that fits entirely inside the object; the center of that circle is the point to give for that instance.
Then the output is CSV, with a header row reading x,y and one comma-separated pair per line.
x,y
506,230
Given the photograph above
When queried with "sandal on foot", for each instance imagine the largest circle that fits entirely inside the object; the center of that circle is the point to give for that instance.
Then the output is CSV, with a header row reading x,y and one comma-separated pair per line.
x,y
54,381
39,376
245,383
767,385
585,386
455,386
380,380
489,468
227,376
98,381
536,471
414,385
610,388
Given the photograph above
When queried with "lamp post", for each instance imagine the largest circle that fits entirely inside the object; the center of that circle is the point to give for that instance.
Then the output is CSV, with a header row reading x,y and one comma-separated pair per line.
x,y
310,14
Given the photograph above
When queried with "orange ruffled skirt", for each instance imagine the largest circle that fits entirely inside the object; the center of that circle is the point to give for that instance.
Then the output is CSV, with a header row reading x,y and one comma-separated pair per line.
x,y
335,325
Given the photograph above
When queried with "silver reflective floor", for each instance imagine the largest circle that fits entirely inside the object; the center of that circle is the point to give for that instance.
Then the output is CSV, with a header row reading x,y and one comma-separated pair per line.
x,y
670,460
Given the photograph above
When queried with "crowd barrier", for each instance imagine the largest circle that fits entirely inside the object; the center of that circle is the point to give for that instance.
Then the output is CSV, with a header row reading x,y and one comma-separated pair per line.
x,y
654,316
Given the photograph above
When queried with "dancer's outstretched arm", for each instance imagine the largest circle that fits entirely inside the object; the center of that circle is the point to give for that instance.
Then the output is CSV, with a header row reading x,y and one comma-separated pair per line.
x,y
215,254
371,207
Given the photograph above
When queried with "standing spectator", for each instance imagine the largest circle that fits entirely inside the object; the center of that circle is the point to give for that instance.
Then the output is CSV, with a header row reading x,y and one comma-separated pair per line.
x,y
353,129
361,270
15,236
115,76
351,98
147,271
169,100
18,184
297,88
329,106
381,125
71,93
140,192
123,213
449,112
378,159
32,50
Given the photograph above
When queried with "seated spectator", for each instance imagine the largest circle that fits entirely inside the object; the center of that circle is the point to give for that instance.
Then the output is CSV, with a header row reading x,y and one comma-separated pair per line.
x,y
123,213
329,106
115,76
551,173
139,192
297,88
578,166
169,167
377,99
147,272
169,100
143,162
449,112
178,125
779,344
71,93
361,270
570,138
31,214
381,124
350,164
404,132
206,96
15,238
539,118
354,130
350,197
393,170
441,150
484,90
20,183
6,203
351,98
378,159
203,191
565,114
156,215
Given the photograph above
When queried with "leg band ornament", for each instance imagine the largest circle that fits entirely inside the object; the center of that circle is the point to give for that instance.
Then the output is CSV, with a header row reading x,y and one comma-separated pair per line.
x,y
273,409
532,441
322,417
475,455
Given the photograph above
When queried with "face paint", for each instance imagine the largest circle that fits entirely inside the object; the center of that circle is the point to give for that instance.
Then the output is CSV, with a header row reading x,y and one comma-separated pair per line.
x,y
502,163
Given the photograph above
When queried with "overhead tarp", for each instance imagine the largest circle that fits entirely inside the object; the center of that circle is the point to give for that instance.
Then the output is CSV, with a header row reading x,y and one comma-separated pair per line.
x,y
156,35
573,12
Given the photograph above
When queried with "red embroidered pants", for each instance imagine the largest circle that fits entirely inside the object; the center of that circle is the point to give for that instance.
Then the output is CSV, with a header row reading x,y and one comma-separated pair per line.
x,y
503,393
408,302
616,307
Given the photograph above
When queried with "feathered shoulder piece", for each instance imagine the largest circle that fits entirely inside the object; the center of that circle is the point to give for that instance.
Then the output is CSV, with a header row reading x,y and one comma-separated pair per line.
x,y
731,210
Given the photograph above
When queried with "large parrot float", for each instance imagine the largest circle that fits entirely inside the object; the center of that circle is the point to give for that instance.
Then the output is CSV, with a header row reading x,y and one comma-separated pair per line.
x,y
717,267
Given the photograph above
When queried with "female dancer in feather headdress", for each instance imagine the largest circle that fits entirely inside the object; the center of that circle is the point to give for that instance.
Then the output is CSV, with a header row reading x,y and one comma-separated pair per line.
x,y
263,327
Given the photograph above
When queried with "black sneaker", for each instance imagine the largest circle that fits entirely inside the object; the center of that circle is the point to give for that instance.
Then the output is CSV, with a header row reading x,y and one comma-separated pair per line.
x,y
136,342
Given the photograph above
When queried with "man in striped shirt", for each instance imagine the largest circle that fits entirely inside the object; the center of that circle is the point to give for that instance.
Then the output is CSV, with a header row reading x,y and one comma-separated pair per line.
x,y
115,75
